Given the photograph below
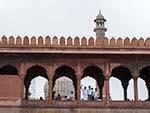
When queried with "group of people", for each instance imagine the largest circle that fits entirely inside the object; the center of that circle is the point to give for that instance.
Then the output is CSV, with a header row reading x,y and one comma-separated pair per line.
x,y
89,94
68,97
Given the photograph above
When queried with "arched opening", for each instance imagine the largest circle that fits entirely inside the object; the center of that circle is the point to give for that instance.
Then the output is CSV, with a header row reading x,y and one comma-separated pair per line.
x,y
8,70
33,72
63,86
85,83
124,75
38,89
93,86
142,90
115,86
64,83
145,75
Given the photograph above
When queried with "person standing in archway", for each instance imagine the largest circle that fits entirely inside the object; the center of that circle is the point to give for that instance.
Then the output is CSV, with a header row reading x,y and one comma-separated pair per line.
x,y
85,93
89,93
96,94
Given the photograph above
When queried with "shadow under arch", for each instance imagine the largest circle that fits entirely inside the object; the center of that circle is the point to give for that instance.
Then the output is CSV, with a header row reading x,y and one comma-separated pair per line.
x,y
124,75
145,75
31,73
8,70
96,73
65,71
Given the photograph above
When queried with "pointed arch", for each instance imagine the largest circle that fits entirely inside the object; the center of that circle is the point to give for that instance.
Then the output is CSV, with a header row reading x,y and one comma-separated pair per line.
x,y
124,75
96,73
31,73
8,70
65,71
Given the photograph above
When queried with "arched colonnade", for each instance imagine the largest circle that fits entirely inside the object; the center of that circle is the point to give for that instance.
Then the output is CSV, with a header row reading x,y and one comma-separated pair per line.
x,y
101,74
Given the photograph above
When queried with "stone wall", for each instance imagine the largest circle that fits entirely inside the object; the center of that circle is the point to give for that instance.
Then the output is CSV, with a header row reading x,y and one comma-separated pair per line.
x,y
10,87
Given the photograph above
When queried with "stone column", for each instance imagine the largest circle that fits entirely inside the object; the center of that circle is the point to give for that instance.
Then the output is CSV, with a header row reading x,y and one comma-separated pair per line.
x,y
22,74
50,82
22,87
135,88
78,74
50,90
78,88
107,87
106,82
135,76
104,91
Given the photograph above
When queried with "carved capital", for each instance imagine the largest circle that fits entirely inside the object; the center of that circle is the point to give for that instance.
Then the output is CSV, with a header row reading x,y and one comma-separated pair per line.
x,y
21,76
107,77
135,75
78,76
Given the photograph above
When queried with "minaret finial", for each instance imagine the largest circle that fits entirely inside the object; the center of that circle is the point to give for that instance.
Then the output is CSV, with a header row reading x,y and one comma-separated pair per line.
x,y
99,11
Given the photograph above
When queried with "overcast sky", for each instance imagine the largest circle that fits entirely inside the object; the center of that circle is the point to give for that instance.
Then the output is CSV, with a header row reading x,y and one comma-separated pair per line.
x,y
74,17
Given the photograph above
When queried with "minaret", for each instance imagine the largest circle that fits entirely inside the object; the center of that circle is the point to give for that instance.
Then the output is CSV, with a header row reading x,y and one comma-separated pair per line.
x,y
100,26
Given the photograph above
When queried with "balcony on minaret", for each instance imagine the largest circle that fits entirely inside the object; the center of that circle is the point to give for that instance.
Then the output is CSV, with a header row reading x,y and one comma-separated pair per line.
x,y
100,26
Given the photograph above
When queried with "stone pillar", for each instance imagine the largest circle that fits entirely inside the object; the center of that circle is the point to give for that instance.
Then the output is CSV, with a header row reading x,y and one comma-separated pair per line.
x,y
22,74
104,91
135,88
135,76
107,87
106,82
78,88
135,80
50,82
50,90
22,87
78,74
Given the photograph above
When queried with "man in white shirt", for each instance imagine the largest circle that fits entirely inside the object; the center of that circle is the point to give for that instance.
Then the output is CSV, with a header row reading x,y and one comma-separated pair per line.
x,y
89,94
70,96
85,93
93,93
96,94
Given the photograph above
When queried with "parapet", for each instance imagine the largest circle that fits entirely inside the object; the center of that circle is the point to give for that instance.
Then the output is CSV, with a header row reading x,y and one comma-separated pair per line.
x,y
72,42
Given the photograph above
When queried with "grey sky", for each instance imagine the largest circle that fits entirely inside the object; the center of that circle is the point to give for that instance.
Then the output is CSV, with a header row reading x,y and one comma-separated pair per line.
x,y
74,17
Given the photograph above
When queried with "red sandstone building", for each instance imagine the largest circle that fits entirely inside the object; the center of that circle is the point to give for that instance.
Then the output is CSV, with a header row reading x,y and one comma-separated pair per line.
x,y
23,59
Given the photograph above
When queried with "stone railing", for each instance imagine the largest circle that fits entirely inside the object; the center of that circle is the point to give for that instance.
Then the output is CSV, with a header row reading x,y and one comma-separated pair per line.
x,y
72,42
87,104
